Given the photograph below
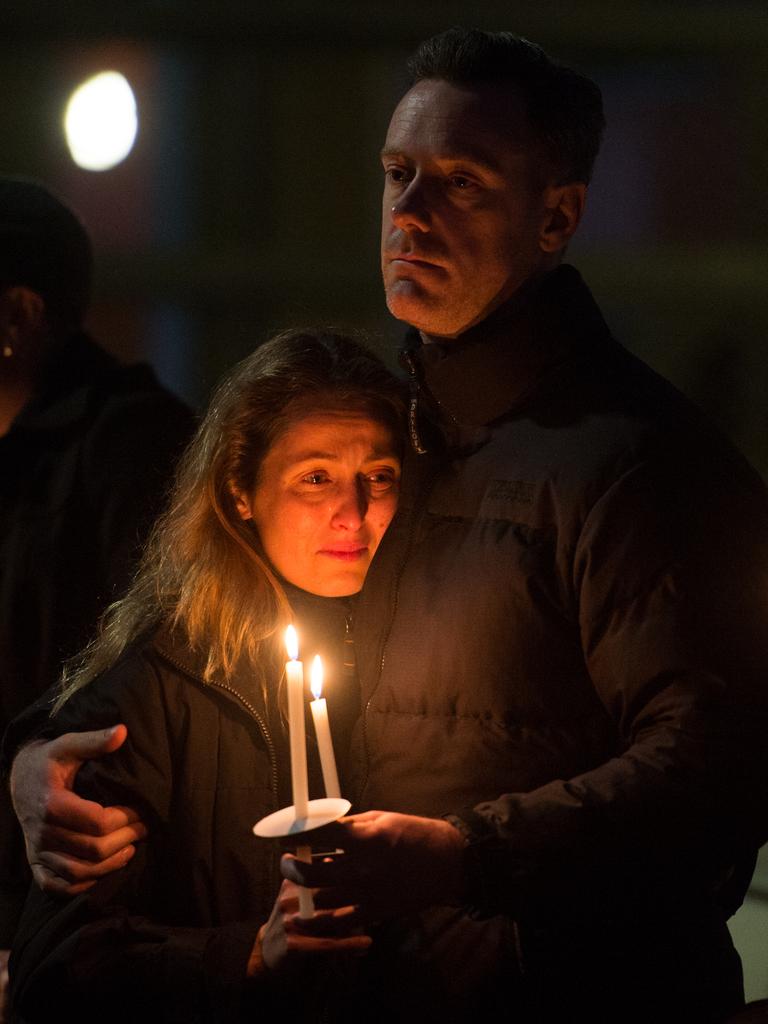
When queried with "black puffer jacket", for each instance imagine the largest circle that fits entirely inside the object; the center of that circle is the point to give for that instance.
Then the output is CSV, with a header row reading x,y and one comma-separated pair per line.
x,y
564,646
168,938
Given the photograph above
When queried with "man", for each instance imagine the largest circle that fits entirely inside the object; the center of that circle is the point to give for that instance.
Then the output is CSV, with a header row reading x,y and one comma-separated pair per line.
x,y
561,645
86,449
566,614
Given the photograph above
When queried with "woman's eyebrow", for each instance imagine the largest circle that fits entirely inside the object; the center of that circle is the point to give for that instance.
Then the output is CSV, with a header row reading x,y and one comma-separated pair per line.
x,y
308,456
375,453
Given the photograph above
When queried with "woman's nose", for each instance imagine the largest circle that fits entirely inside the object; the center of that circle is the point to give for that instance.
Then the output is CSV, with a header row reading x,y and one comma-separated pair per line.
x,y
351,507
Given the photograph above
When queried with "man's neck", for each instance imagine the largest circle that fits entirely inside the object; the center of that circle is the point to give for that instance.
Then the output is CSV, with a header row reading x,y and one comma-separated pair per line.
x,y
504,310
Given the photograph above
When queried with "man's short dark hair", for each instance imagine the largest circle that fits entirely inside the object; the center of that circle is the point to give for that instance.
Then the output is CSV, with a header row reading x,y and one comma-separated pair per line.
x,y
44,246
564,107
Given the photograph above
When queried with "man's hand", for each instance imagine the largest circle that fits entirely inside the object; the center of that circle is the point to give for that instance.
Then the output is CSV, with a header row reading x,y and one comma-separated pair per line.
x,y
70,841
393,864
287,940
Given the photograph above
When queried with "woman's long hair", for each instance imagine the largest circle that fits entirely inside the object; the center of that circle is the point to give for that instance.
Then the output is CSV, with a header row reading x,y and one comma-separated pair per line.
x,y
203,569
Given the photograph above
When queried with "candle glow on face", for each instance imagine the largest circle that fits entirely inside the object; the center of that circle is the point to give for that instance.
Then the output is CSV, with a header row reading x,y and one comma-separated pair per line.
x,y
316,677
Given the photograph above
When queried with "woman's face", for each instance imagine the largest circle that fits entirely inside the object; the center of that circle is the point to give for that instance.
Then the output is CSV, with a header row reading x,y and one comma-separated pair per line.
x,y
326,493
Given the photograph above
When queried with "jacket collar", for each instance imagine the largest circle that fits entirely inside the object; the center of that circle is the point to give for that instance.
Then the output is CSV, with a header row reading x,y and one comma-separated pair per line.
x,y
497,366
174,647
320,620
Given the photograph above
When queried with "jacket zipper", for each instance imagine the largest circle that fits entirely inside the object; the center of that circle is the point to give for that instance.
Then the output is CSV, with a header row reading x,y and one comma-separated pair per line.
x,y
274,875
262,726
249,708
413,405
417,509
418,447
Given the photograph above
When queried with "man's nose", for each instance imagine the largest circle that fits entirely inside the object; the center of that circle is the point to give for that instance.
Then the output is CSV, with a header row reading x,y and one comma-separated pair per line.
x,y
411,209
351,507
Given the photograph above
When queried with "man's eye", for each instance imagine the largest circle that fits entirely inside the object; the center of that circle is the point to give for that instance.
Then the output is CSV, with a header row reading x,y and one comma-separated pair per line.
x,y
314,478
397,175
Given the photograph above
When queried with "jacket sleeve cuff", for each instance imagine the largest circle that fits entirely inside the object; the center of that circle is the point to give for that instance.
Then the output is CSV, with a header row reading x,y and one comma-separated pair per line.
x,y
480,863
31,724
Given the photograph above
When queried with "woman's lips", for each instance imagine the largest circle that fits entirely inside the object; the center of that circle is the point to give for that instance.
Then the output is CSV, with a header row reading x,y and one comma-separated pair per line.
x,y
345,554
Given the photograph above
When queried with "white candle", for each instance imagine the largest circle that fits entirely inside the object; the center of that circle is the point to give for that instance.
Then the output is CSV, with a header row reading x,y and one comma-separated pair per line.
x,y
294,671
323,730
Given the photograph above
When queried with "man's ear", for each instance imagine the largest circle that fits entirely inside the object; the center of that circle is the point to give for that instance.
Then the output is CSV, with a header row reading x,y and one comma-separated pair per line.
x,y
564,206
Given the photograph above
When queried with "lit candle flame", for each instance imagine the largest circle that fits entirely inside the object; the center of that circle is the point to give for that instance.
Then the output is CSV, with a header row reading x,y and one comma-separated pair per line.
x,y
316,677
292,643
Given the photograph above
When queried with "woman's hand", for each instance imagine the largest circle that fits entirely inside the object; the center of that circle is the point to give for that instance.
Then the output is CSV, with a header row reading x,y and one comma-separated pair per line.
x,y
286,940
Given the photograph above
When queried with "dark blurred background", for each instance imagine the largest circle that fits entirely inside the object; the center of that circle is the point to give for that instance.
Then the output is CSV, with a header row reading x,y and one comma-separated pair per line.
x,y
250,200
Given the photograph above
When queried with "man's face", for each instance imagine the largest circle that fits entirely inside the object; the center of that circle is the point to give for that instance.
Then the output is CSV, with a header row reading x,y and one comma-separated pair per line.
x,y
463,215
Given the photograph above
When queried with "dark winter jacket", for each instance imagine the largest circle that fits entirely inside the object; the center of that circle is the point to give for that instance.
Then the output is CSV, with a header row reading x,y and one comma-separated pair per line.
x,y
83,472
563,647
168,938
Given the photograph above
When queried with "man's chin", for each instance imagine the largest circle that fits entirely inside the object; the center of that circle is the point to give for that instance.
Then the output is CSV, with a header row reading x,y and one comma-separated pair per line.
x,y
411,304
429,321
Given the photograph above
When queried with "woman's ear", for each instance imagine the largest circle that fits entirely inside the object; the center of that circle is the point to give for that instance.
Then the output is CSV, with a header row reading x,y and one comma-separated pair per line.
x,y
242,504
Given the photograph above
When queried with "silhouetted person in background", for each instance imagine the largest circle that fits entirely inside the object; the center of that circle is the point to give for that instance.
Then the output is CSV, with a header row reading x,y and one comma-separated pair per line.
x,y
86,448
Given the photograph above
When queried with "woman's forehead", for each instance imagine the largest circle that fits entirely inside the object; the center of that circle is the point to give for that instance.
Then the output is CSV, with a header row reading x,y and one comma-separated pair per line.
x,y
329,432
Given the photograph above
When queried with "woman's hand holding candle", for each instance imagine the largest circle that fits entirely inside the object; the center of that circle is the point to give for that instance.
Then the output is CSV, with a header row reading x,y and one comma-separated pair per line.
x,y
286,939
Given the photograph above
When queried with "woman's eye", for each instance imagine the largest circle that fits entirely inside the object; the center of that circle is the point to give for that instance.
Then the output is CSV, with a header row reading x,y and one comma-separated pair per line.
x,y
381,480
460,182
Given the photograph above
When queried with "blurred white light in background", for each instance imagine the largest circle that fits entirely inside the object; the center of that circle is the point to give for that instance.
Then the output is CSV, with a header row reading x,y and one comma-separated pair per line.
x,y
100,122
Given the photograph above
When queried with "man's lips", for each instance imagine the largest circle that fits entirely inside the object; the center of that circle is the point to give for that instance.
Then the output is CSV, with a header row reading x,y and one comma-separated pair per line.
x,y
412,259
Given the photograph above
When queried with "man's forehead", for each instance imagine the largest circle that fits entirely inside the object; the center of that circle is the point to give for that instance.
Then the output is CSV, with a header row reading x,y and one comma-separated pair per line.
x,y
475,121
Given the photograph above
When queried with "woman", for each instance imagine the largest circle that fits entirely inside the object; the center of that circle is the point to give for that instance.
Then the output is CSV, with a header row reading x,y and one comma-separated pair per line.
x,y
279,505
